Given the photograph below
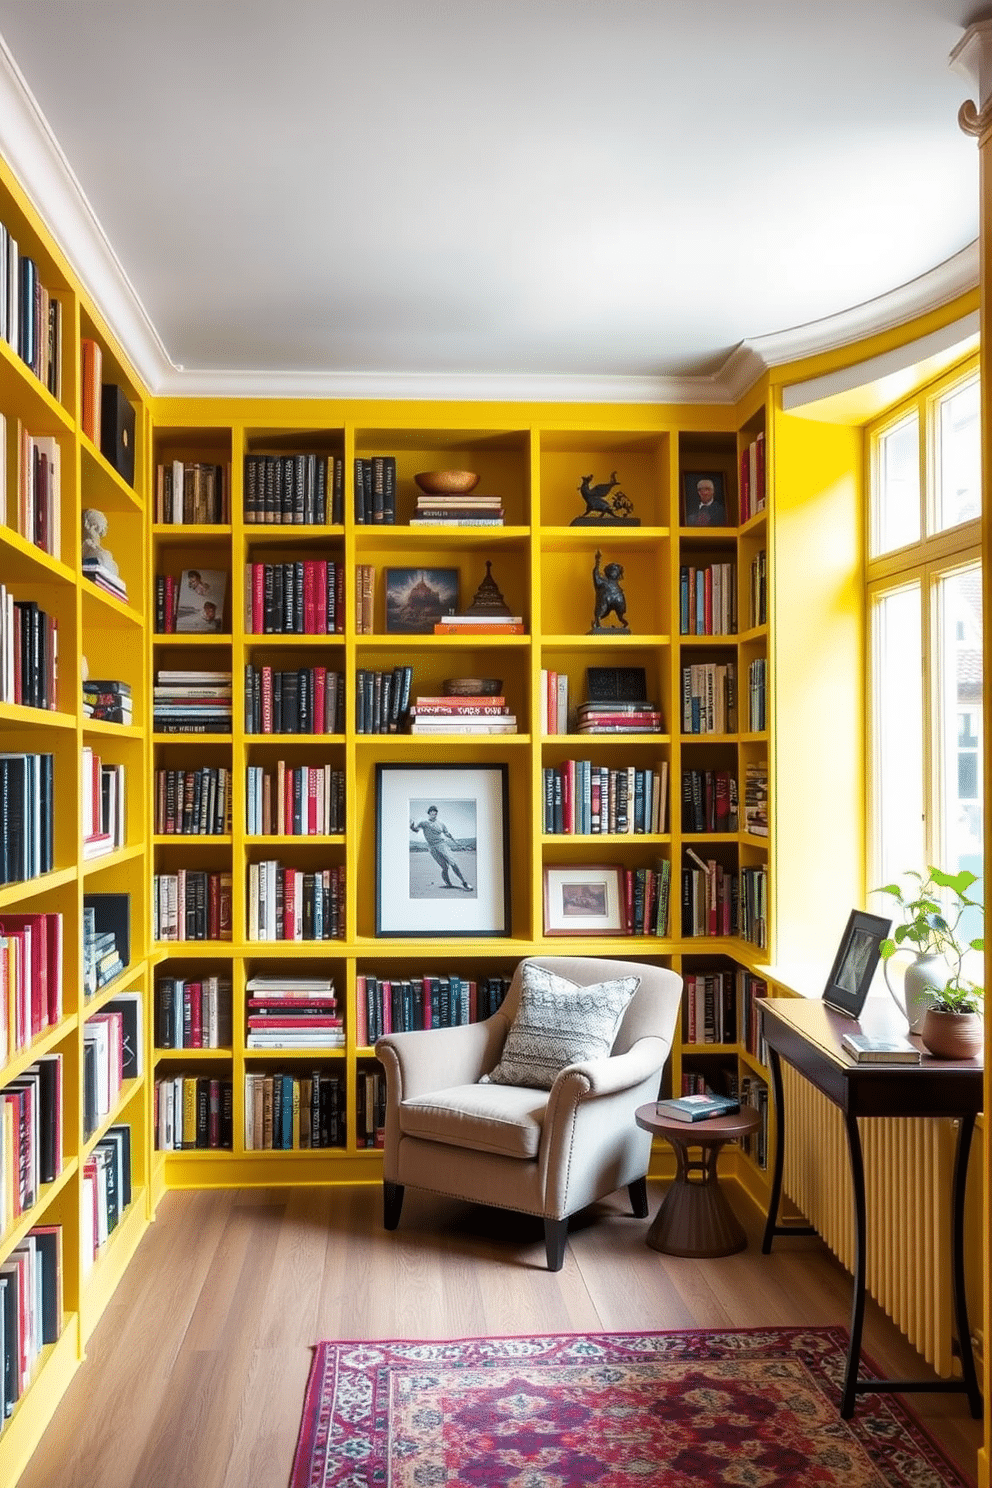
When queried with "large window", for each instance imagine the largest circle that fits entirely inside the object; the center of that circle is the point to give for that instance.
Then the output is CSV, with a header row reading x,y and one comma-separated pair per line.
x,y
925,618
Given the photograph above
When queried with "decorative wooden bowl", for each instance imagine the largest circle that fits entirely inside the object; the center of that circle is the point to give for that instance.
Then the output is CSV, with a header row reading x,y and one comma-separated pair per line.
x,y
472,686
447,482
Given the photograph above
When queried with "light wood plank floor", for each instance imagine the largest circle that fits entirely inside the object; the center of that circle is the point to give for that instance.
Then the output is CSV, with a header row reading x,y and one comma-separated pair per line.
x,y
195,1374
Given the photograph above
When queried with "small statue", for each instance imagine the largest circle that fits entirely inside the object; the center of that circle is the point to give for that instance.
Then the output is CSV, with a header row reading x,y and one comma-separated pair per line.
x,y
488,599
610,598
602,508
95,527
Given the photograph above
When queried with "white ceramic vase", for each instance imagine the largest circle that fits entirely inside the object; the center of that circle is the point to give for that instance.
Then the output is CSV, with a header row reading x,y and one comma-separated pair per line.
x,y
923,976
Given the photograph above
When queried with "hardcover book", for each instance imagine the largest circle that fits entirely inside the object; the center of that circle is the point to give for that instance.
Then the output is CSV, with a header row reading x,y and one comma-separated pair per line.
x,y
698,1107
865,1049
117,431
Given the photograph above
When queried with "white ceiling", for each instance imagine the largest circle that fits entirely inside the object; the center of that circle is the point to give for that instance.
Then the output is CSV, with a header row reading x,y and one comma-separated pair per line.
x,y
417,192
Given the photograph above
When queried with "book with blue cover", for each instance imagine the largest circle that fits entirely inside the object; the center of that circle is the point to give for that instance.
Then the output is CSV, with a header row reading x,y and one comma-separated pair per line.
x,y
698,1107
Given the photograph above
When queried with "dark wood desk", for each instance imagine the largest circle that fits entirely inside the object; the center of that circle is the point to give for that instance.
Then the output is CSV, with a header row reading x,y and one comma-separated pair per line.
x,y
807,1035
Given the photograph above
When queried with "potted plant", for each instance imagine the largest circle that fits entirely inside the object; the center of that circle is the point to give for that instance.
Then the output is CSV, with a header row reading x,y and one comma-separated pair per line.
x,y
932,911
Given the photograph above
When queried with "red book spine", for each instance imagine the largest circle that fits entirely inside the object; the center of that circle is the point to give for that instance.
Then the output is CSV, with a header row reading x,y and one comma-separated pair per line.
x,y
313,826
257,598
309,596
321,626
319,699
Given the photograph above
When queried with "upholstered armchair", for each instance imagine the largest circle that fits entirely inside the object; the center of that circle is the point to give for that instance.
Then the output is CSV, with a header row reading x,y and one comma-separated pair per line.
x,y
533,1109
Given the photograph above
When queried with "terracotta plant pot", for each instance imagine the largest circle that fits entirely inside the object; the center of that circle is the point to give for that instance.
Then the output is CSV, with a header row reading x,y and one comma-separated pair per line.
x,y
953,1035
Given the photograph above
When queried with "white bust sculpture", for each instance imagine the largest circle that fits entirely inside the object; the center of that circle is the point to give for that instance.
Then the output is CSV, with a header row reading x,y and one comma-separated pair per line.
x,y
94,531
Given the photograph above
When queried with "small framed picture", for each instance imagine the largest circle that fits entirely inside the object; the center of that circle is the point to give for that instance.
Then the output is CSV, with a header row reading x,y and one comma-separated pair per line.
x,y
200,602
417,598
855,962
584,900
442,850
703,500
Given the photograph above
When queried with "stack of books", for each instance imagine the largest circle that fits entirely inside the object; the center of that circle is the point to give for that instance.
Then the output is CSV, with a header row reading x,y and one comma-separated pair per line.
x,y
192,702
473,714
107,701
293,1013
480,625
101,955
110,583
442,510
613,717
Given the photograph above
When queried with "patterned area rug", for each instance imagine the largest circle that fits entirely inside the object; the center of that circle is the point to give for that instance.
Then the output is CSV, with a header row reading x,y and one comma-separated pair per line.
x,y
753,1408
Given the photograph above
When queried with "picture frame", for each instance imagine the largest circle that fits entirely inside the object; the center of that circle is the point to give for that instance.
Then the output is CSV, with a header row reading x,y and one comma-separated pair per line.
x,y
417,598
442,850
855,962
697,511
584,899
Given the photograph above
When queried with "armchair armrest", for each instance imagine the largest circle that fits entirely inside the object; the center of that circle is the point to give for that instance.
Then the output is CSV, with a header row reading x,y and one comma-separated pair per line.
x,y
610,1076
437,1058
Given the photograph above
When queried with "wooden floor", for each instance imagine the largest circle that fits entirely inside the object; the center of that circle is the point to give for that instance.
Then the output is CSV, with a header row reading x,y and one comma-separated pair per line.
x,y
196,1372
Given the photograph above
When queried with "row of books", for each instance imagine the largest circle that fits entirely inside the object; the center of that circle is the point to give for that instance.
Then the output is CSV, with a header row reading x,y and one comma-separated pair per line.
x,y
107,700
375,490
104,802
191,904
302,597
709,801
753,915
294,800
302,489
106,1191
382,700
39,488
554,702
750,991
364,598
103,1060
708,599
291,904
751,483
106,939
31,1150
27,816
754,1093
192,702
192,604
370,1107
29,653
711,1012
286,1012
757,693
613,717
193,802
709,698
585,798
309,700
647,892
191,493
193,1112
193,1012
292,1113
31,977
758,589
30,315
756,799
709,897
401,1004
468,714
31,1314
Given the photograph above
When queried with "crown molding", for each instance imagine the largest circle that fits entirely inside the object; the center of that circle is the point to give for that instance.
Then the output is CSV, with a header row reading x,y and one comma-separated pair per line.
x,y
45,175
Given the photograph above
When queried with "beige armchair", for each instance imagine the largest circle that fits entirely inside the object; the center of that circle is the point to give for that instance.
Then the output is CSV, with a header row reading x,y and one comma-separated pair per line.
x,y
536,1151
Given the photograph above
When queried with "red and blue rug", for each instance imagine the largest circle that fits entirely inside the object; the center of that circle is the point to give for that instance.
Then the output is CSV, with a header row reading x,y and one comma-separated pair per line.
x,y
757,1408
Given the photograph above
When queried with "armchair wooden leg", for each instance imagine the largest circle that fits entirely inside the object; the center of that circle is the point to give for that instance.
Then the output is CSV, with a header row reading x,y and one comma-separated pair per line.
x,y
555,1236
638,1191
392,1203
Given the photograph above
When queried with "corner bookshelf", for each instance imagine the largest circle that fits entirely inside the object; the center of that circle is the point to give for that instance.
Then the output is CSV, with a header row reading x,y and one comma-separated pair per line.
x,y
536,460
52,472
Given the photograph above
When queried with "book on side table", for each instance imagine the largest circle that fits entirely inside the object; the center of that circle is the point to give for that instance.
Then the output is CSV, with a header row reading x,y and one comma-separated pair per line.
x,y
698,1107
867,1050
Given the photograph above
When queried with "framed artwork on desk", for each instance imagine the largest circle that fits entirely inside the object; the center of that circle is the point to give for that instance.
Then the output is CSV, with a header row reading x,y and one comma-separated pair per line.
x,y
855,962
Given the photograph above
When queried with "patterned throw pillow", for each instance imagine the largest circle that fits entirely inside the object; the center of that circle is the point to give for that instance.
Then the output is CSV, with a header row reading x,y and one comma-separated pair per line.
x,y
559,1023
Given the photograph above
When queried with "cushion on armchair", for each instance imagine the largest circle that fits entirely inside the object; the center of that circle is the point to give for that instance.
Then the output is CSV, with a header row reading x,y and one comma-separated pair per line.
x,y
559,1023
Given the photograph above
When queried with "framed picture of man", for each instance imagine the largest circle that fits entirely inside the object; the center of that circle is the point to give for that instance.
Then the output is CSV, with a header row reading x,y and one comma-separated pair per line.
x,y
703,499
442,850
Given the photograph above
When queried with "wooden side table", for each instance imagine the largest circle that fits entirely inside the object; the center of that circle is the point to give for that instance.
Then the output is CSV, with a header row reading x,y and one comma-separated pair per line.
x,y
695,1219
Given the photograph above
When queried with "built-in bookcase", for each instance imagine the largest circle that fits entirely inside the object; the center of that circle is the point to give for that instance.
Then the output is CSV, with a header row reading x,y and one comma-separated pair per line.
x,y
543,562
52,473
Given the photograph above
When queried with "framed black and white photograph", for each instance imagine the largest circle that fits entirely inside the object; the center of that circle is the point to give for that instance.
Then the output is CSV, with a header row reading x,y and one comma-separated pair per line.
x,y
442,850
704,503
584,900
417,598
855,962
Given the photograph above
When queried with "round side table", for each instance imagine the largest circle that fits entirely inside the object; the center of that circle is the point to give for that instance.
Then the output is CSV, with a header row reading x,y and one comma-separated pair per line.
x,y
695,1219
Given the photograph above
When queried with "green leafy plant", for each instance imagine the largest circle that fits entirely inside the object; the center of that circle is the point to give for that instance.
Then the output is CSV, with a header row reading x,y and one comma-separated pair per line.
x,y
932,909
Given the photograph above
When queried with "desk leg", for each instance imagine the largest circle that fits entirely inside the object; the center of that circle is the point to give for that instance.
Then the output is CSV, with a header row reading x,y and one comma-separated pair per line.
x,y
860,1266
961,1151
775,1198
